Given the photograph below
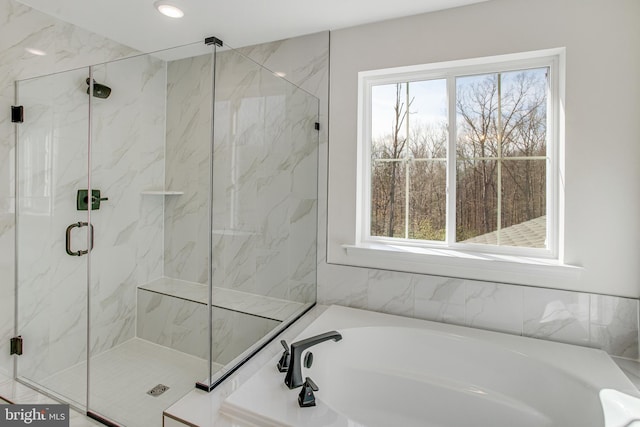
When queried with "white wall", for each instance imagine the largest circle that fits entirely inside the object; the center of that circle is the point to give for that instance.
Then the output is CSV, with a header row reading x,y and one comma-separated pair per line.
x,y
602,182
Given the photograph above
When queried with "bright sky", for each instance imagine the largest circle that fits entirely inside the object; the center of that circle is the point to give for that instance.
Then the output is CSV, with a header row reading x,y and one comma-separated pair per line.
x,y
429,105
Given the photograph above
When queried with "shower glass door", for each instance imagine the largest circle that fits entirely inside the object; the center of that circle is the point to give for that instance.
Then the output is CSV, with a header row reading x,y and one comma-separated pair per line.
x,y
150,147
51,234
127,161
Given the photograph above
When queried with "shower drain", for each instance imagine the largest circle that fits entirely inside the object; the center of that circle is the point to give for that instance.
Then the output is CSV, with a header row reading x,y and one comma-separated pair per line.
x,y
158,390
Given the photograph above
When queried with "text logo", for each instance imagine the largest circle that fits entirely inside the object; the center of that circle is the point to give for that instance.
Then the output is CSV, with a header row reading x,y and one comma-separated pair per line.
x,y
34,415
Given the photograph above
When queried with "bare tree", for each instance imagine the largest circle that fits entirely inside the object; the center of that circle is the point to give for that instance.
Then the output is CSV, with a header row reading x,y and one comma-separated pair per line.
x,y
501,116
500,160
390,148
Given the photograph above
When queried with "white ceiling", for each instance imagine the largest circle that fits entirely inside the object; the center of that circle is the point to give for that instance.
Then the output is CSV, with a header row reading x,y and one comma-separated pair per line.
x,y
137,24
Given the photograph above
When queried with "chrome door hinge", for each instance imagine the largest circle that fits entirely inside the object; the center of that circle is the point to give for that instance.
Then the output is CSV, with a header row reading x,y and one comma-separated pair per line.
x,y
16,345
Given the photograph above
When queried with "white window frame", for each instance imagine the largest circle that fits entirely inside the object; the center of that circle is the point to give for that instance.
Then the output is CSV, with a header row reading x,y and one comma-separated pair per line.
x,y
552,58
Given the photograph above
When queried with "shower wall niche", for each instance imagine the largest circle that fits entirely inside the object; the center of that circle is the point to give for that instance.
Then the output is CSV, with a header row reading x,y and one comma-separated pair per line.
x,y
205,246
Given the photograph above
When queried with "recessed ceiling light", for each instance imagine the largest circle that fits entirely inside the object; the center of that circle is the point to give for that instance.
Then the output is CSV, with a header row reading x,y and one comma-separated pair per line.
x,y
36,52
168,9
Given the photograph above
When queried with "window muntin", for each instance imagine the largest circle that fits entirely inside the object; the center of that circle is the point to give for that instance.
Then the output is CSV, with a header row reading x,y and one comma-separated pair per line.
x,y
501,155
408,160
497,193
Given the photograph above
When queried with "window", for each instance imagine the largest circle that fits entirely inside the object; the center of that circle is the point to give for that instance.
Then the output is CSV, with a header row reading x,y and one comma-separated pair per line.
x,y
461,155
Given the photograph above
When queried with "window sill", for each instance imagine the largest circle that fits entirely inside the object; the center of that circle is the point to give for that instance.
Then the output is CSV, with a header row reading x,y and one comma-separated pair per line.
x,y
461,264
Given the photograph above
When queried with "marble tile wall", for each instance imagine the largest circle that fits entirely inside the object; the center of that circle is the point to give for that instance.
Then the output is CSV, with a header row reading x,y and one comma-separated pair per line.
x,y
304,62
600,321
127,157
265,181
66,47
187,168
173,322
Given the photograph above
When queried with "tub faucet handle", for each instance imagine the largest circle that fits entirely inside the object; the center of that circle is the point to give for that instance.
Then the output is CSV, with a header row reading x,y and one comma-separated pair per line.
x,y
306,398
293,379
283,363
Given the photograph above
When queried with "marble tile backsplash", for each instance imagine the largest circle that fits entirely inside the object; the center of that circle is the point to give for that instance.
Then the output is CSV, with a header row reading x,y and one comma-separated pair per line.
x,y
599,321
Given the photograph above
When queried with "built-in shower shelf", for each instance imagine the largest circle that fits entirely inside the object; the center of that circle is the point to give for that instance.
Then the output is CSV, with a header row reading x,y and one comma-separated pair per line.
x,y
161,193
230,299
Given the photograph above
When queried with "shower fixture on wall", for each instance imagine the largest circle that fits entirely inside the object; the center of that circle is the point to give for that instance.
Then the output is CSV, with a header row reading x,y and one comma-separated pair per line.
x,y
99,90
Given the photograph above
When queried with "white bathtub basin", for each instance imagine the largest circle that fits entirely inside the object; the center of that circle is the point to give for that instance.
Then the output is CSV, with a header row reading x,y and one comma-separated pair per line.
x,y
393,371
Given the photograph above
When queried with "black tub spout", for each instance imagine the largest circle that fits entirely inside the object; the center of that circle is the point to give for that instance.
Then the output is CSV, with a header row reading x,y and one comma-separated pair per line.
x,y
294,373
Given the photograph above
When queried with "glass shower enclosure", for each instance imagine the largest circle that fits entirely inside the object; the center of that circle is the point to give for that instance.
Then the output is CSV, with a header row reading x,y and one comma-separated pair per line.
x,y
165,225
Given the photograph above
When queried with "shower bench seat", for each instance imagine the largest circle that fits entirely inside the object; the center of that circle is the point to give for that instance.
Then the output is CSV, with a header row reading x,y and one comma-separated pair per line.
x,y
229,299
174,313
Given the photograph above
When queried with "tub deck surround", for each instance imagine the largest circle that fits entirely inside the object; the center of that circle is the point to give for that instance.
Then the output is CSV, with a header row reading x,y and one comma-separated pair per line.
x,y
631,368
202,409
506,380
230,299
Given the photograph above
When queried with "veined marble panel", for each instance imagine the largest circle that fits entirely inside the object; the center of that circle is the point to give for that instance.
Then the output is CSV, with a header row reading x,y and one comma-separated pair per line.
x,y
304,61
265,190
396,299
441,299
127,158
614,325
557,315
606,322
494,306
234,332
188,142
173,322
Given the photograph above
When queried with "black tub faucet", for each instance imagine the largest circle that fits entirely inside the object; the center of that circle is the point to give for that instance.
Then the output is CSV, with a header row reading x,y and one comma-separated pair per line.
x,y
294,373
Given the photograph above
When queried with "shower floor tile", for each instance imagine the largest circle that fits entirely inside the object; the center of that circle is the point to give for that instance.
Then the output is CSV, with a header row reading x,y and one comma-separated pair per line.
x,y
121,377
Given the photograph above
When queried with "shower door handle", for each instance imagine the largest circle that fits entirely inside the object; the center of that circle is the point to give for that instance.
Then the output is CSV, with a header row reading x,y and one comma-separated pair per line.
x,y
68,238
